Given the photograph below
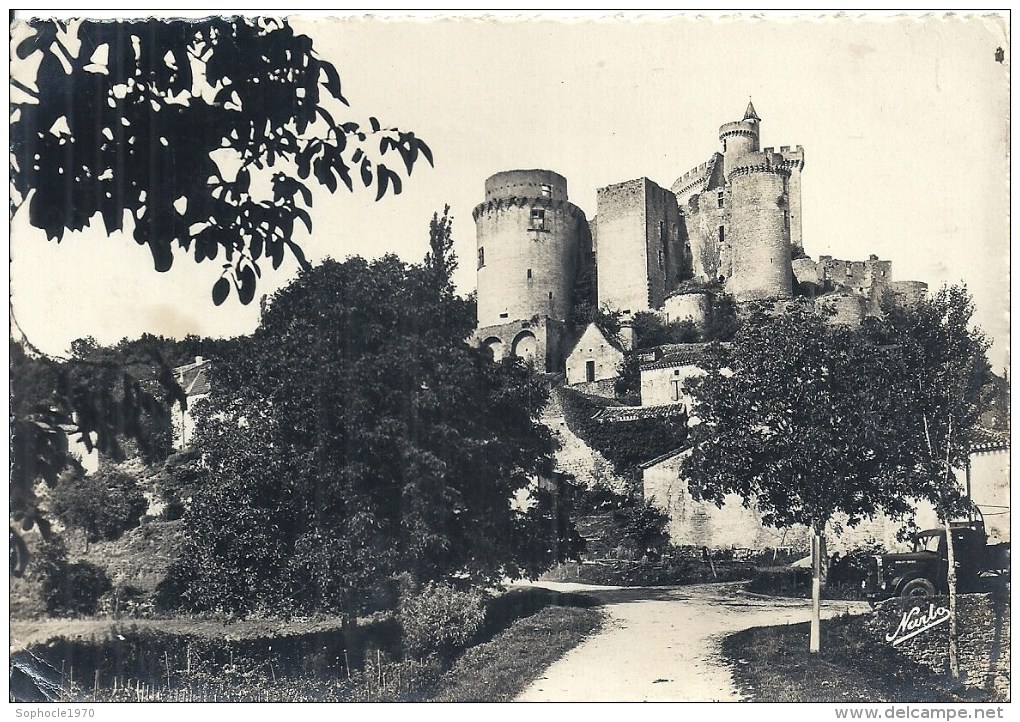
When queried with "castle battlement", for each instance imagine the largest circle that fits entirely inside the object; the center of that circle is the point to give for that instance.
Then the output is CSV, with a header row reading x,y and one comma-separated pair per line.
x,y
501,204
787,151
768,166
694,173
738,127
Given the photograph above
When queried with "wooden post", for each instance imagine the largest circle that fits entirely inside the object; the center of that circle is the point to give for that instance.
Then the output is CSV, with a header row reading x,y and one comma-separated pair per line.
x,y
954,632
816,591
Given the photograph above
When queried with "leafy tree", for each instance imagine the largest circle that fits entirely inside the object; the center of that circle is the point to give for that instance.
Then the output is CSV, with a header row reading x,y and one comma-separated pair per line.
x,y
69,587
102,505
205,132
802,419
942,374
96,403
628,380
651,331
356,436
724,321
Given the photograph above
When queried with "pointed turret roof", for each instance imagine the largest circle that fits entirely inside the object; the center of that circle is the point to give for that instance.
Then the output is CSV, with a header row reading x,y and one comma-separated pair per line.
x,y
749,114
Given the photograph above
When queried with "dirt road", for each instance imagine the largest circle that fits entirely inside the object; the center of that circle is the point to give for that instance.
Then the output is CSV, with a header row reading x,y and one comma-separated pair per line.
x,y
663,644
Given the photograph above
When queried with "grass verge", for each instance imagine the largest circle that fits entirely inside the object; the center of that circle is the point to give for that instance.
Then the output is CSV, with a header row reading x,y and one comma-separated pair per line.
x,y
199,660
500,669
772,664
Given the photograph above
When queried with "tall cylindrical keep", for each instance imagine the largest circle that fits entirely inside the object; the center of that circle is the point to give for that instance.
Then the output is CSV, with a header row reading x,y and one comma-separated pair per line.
x,y
528,237
759,238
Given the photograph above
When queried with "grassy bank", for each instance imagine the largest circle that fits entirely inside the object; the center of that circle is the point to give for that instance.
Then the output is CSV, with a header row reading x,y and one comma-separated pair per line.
x,y
499,670
185,660
772,664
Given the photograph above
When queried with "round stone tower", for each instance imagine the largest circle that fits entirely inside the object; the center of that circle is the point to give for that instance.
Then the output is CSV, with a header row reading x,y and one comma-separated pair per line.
x,y
528,237
757,238
740,138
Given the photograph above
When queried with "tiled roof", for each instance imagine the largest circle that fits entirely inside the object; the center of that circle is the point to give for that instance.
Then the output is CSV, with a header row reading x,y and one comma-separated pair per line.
x,y
618,414
983,439
677,354
194,378
611,339
664,457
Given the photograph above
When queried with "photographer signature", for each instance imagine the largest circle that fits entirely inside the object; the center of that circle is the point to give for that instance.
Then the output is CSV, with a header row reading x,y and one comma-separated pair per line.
x,y
916,620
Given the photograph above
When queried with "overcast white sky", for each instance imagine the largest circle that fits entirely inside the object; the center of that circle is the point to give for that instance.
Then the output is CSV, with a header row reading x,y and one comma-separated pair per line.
x,y
905,125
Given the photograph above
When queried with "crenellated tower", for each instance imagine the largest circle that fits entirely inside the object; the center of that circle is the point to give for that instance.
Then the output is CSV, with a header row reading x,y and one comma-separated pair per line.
x,y
529,239
741,212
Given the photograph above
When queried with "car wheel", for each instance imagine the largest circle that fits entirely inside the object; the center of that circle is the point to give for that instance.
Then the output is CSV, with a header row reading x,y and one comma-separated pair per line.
x,y
918,588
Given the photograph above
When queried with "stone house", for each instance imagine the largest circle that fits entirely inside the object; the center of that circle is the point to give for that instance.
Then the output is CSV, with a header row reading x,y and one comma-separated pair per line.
x,y
594,359
663,378
194,379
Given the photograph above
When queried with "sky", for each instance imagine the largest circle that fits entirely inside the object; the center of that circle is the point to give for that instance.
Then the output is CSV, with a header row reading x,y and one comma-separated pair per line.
x,y
904,123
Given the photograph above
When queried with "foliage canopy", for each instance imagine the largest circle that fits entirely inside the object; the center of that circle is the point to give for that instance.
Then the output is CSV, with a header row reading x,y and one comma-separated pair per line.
x,y
358,435
205,132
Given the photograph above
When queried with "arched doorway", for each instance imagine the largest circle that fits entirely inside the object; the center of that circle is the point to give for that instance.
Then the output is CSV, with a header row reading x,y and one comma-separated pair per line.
x,y
525,346
494,346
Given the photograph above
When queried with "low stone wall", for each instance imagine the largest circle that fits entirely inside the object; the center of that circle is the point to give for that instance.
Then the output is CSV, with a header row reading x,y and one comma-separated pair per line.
x,y
606,388
983,635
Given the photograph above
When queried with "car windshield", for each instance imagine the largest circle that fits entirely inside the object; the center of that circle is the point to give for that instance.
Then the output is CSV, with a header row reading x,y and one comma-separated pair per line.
x,y
929,543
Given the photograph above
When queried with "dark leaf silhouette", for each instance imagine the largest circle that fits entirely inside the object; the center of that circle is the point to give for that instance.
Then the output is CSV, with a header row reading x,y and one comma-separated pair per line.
x,y
220,291
135,137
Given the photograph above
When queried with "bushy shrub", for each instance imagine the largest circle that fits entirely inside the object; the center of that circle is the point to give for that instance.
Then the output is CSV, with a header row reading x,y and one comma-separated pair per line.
x,y
439,620
103,505
782,581
69,588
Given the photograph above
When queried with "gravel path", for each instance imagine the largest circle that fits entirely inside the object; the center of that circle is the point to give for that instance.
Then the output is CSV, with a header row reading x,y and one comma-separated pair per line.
x,y
663,644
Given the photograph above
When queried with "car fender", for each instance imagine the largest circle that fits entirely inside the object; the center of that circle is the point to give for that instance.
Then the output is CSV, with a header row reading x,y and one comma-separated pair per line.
x,y
897,584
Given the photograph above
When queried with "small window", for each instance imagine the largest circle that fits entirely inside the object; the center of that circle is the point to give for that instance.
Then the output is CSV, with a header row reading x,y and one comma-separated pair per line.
x,y
589,370
538,218
786,219
676,372
504,315
661,259
529,274
481,257
550,295
720,198
662,231
546,190
722,234
724,145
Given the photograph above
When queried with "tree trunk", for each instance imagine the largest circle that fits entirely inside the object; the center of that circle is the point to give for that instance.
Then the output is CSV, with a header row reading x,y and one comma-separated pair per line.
x,y
954,652
816,590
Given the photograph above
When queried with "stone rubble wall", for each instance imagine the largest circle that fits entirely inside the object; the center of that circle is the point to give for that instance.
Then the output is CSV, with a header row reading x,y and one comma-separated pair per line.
x,y
984,637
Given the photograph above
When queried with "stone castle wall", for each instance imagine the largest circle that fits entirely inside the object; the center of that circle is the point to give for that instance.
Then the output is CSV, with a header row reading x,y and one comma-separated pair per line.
x,y
694,306
639,255
526,184
621,255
